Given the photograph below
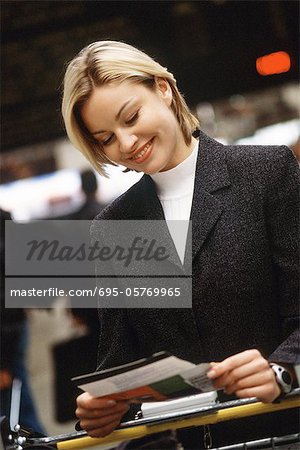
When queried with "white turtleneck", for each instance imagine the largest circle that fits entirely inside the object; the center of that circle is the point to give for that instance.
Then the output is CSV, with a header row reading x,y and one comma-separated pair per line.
x,y
175,188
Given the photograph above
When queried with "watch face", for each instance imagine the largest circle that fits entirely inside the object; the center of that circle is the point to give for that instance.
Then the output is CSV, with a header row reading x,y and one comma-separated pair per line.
x,y
283,378
286,377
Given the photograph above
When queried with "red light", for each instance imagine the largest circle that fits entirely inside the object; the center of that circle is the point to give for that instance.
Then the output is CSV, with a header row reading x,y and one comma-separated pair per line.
x,y
278,62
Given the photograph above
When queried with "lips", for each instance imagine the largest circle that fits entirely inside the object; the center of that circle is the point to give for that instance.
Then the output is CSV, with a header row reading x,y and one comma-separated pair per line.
x,y
140,154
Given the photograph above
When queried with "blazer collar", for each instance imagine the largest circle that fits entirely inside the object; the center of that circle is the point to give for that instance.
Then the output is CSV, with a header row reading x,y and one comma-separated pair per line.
x,y
211,176
144,203
211,171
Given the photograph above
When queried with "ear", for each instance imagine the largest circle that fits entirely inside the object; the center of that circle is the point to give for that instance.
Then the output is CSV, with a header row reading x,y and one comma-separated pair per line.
x,y
164,90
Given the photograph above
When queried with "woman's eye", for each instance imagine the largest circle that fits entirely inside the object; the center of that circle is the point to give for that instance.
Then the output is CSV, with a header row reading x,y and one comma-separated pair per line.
x,y
132,119
107,141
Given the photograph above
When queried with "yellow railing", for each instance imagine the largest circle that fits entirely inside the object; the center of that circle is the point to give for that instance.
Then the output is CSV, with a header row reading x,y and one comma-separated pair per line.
x,y
221,415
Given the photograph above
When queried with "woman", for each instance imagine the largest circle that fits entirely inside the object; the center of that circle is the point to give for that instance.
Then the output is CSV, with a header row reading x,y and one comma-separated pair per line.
x,y
122,107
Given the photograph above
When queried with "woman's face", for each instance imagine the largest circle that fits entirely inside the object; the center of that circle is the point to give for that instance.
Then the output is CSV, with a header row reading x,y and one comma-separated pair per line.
x,y
136,126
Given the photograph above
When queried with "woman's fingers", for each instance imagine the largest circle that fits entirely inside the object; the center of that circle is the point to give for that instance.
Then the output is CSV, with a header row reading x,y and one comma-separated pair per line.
x,y
103,431
245,374
98,423
231,363
265,393
242,371
120,408
99,416
100,411
88,401
257,379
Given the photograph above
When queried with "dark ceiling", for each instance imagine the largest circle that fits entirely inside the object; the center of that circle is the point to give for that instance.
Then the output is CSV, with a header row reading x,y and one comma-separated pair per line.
x,y
211,46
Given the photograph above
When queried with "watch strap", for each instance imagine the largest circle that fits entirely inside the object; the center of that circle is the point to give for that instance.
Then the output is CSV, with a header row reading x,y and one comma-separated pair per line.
x,y
284,380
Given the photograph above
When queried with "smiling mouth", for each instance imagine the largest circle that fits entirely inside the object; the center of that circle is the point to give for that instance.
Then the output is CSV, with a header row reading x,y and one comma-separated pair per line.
x,y
142,152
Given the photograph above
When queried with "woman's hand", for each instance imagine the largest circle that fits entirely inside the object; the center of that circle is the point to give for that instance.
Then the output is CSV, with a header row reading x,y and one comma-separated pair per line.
x,y
98,416
245,374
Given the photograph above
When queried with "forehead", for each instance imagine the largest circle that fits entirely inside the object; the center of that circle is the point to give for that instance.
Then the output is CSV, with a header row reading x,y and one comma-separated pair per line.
x,y
102,108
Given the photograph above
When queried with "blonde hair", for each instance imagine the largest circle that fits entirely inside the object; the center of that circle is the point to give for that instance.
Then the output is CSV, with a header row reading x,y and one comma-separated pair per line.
x,y
105,62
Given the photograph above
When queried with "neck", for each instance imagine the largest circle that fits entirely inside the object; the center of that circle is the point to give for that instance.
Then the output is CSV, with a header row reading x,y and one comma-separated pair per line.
x,y
185,151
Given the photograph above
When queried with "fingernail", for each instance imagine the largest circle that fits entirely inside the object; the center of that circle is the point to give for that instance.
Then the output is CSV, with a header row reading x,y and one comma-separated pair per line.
x,y
211,374
111,403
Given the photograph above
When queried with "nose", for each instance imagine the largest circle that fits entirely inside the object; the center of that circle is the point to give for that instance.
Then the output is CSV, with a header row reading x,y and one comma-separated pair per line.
x,y
127,142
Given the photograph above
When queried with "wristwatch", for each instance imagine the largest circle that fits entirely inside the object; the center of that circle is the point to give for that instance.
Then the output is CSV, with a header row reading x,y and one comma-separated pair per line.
x,y
284,380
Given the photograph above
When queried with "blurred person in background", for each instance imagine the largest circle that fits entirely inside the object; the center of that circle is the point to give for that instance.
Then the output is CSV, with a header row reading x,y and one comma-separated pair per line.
x,y
122,107
91,206
14,340
65,354
88,211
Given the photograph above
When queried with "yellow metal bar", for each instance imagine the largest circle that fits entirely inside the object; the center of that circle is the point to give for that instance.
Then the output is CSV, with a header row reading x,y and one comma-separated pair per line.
x,y
236,412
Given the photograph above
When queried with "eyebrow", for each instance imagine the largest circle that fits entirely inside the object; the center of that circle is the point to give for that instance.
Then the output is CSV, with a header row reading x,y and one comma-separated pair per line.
x,y
117,115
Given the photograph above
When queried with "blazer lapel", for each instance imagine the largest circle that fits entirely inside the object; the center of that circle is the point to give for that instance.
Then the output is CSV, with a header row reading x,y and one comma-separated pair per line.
x,y
148,207
211,175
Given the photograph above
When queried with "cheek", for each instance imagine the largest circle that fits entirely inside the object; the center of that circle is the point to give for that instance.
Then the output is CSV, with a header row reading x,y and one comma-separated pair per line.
x,y
157,119
112,154
168,122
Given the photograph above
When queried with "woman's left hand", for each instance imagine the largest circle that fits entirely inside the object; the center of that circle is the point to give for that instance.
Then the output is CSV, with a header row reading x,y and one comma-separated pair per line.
x,y
245,374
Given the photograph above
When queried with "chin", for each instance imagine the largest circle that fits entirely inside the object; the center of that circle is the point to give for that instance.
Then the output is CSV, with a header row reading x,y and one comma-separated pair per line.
x,y
156,168
152,167
152,171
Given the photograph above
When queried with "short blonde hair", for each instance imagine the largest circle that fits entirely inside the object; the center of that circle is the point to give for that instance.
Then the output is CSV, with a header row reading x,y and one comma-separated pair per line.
x,y
106,62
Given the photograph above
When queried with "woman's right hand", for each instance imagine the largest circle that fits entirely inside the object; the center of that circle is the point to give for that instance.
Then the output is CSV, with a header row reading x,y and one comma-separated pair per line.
x,y
99,416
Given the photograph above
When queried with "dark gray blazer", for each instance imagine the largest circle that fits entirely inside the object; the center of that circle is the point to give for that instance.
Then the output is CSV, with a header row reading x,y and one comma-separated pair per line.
x,y
245,222
245,215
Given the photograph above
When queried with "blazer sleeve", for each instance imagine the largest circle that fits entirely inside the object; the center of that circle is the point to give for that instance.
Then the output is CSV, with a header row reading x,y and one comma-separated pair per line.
x,y
117,341
283,226
117,344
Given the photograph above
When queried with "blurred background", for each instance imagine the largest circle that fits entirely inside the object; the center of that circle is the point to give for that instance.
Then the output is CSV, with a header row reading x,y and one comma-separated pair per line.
x,y
237,63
